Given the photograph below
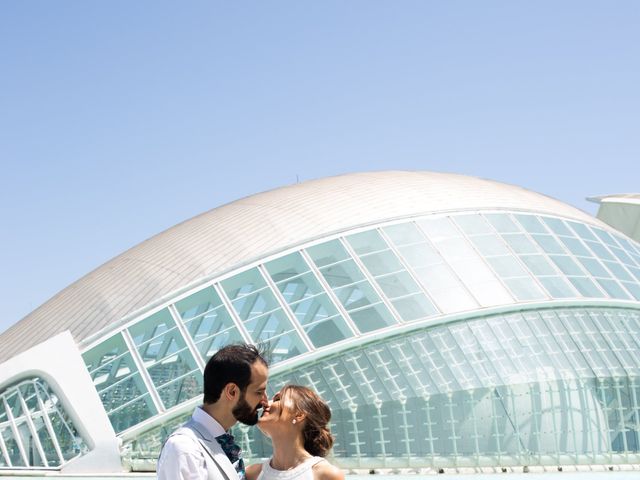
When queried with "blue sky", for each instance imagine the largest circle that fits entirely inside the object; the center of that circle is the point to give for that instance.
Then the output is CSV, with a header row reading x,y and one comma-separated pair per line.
x,y
120,119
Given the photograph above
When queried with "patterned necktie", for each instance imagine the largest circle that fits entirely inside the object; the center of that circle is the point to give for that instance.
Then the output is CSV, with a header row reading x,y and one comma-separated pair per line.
x,y
233,452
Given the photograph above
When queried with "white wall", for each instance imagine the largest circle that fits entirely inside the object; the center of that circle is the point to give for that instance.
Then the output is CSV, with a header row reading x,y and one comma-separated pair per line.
x,y
59,363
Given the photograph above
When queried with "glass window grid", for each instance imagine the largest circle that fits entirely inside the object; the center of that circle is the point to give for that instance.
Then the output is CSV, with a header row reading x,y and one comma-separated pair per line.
x,y
616,342
566,261
129,390
559,394
601,248
470,366
552,281
592,347
207,322
35,407
522,285
313,302
508,229
356,283
165,355
414,291
465,261
448,298
608,274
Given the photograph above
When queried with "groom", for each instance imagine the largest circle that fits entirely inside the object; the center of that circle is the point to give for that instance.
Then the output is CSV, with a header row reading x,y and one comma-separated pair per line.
x,y
235,384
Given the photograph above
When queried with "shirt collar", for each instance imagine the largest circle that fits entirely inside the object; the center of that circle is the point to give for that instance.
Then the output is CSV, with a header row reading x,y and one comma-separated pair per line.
x,y
211,425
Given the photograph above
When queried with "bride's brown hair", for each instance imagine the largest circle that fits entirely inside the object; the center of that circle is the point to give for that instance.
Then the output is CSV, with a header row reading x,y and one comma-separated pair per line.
x,y
316,434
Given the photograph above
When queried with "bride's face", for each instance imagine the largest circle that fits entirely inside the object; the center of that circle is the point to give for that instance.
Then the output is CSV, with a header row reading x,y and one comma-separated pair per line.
x,y
278,415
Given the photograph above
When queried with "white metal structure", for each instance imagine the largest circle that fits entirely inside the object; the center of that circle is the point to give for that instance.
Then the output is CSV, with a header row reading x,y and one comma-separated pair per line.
x,y
621,211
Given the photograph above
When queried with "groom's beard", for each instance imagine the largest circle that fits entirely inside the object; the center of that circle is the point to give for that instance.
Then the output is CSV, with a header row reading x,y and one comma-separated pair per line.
x,y
245,413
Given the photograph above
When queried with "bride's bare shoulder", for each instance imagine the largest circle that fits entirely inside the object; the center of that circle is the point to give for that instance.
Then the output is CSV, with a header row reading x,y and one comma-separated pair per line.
x,y
325,471
252,471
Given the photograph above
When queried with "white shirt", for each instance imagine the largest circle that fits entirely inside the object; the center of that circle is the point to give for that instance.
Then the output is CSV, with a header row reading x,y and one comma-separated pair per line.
x,y
181,457
304,471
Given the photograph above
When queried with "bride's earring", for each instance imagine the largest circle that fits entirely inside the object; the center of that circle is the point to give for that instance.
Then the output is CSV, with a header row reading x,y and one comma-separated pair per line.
x,y
293,421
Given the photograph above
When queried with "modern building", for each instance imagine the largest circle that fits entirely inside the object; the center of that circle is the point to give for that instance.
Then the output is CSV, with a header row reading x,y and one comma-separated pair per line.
x,y
621,211
450,322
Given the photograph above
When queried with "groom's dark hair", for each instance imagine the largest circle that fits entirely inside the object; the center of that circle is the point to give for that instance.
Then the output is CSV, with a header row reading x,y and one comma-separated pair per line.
x,y
230,364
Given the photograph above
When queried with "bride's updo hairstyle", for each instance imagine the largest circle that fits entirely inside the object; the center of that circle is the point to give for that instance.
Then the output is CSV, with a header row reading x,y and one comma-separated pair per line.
x,y
317,437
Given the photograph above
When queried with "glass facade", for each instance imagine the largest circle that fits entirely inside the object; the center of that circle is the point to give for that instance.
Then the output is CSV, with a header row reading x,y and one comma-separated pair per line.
x,y
35,431
535,388
548,385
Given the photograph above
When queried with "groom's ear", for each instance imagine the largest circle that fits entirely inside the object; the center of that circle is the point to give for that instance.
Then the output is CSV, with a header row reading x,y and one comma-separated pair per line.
x,y
231,391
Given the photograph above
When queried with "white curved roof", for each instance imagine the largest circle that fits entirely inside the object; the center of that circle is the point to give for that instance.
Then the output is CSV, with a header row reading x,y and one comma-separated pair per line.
x,y
243,231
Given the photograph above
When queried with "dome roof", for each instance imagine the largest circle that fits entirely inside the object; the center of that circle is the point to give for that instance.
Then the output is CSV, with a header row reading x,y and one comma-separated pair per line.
x,y
251,228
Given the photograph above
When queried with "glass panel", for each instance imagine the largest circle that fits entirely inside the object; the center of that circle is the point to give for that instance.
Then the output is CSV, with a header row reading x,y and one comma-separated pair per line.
x,y
172,368
381,263
575,246
604,236
557,287
287,267
538,264
531,223
566,265
404,234
618,270
24,446
600,251
46,441
11,444
622,256
633,289
367,242
489,245
594,267
261,313
420,255
328,253
208,322
350,286
502,222
582,231
524,289
438,229
557,226
118,383
520,243
586,287
393,279
243,284
397,285
548,243
613,288
473,224
414,307
465,262
507,266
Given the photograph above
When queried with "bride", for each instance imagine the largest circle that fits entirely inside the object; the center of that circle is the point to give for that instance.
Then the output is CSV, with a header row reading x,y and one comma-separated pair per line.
x,y
296,420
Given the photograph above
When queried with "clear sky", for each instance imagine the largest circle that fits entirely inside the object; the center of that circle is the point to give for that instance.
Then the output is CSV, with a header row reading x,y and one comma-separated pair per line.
x,y
119,119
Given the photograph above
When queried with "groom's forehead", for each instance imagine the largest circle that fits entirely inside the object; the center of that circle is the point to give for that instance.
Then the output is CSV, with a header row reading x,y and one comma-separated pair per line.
x,y
259,373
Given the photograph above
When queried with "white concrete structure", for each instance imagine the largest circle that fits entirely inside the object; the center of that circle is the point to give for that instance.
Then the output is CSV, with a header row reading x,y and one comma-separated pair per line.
x,y
621,211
